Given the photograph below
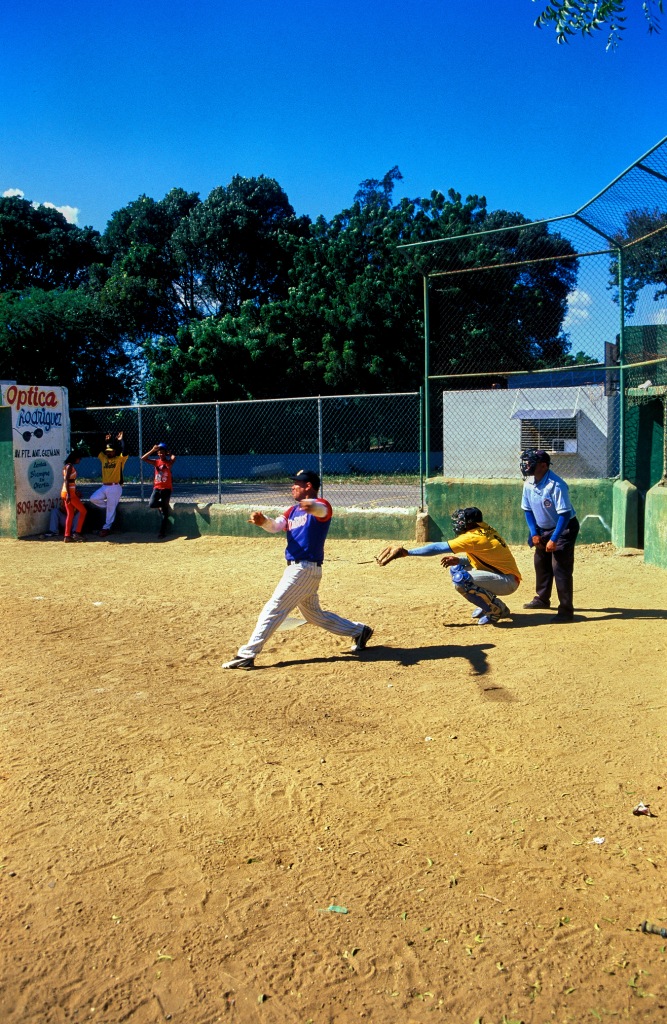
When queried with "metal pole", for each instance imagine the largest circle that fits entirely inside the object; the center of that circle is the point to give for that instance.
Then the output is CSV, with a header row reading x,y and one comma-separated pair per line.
x,y
319,436
621,371
141,451
217,451
421,449
427,370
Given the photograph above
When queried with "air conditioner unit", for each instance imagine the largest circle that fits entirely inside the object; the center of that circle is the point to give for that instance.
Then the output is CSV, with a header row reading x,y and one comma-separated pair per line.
x,y
566,445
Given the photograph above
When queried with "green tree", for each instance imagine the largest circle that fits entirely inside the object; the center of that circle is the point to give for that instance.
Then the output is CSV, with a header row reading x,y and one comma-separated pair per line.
x,y
65,338
351,318
572,17
40,249
239,241
644,242
148,282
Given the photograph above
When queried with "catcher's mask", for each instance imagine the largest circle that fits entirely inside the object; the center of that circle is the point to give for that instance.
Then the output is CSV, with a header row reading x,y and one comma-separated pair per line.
x,y
529,459
464,518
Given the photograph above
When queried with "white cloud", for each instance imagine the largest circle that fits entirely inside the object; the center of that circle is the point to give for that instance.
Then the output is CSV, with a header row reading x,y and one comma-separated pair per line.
x,y
578,308
70,213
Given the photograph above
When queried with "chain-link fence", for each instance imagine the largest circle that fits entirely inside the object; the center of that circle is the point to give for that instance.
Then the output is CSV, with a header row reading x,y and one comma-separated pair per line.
x,y
584,295
366,448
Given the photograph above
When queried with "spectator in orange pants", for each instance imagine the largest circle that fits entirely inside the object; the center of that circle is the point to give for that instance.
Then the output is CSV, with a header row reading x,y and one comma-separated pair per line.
x,y
73,503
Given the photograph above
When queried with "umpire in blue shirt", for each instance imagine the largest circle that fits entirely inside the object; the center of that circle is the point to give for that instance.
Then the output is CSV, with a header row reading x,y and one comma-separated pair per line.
x,y
553,528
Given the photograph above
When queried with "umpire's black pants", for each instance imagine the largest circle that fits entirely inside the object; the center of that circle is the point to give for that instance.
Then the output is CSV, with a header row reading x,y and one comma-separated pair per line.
x,y
556,566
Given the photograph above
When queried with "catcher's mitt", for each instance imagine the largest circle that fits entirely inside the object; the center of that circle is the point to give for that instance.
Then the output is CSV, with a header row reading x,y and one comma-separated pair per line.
x,y
389,554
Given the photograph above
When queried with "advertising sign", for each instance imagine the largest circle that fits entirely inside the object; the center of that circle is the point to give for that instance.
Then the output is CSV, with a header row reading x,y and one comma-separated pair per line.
x,y
40,439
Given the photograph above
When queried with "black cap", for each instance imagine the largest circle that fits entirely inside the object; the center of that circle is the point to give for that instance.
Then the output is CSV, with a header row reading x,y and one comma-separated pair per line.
x,y
307,476
542,456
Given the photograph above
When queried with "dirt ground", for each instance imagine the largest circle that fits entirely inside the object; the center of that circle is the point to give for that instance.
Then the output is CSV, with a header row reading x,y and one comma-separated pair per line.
x,y
179,843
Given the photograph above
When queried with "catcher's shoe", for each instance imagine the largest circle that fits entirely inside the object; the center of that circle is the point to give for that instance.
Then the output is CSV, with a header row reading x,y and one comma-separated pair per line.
x,y
477,614
245,663
361,640
488,620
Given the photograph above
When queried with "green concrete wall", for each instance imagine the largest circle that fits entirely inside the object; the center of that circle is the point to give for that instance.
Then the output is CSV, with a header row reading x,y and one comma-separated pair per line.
x,y
216,520
625,515
7,487
500,502
655,526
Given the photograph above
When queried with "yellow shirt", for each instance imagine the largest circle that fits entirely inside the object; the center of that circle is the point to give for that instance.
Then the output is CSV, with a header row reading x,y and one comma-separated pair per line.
x,y
112,467
486,549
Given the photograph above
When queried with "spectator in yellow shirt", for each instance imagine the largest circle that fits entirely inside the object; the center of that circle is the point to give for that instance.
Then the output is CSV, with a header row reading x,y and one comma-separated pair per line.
x,y
107,496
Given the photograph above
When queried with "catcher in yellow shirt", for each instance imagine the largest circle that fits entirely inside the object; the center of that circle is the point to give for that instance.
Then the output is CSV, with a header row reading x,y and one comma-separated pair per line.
x,y
481,564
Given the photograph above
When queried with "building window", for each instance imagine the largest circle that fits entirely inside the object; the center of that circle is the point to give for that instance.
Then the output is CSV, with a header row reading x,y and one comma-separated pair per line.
x,y
553,435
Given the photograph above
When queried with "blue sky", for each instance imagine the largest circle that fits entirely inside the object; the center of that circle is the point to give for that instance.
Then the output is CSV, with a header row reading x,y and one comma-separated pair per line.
x,y
104,102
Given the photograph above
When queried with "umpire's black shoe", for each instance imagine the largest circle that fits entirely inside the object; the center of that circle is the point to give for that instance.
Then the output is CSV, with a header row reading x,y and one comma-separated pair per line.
x,y
245,663
563,617
537,603
361,640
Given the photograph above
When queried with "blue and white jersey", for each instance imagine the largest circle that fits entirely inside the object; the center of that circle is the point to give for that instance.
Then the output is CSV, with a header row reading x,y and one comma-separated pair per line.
x,y
306,533
547,500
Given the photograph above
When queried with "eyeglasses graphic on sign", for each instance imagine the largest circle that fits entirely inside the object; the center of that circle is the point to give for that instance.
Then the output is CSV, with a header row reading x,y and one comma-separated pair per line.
x,y
27,434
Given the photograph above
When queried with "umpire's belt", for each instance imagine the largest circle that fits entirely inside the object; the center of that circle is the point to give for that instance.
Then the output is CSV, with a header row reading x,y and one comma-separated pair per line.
x,y
301,561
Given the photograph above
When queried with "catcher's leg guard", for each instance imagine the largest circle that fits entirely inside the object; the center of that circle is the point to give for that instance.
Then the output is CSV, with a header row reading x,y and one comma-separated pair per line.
x,y
465,585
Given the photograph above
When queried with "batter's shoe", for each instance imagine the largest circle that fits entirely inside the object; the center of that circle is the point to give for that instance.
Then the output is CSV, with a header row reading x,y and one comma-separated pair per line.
x,y
104,533
245,663
361,640
537,603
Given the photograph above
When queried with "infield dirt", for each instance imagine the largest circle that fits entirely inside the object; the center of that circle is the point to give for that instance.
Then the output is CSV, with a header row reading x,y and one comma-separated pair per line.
x,y
179,842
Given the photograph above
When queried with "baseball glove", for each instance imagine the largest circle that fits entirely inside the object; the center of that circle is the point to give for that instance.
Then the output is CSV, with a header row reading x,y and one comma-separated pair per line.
x,y
388,555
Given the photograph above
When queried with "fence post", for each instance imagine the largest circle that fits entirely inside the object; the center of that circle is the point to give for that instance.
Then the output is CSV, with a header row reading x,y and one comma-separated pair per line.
x,y
217,451
427,370
141,451
621,361
319,437
421,449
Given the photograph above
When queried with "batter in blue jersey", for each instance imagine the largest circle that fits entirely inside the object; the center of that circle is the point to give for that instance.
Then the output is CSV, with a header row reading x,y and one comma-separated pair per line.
x,y
307,525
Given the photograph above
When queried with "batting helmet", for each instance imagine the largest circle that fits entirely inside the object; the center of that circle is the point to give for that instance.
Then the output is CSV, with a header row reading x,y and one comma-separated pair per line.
x,y
530,458
464,518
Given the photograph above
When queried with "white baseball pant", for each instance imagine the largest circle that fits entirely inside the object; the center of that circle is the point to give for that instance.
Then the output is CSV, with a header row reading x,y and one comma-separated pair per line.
x,y
107,496
297,589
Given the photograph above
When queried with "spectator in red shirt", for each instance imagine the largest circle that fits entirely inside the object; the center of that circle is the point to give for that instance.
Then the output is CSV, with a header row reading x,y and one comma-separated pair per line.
x,y
161,460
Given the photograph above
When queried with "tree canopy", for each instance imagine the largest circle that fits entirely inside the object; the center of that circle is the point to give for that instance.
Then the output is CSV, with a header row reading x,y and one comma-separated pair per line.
x,y
574,17
235,296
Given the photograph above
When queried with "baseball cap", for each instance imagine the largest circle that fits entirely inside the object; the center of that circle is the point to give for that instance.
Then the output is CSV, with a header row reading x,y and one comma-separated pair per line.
x,y
307,476
162,445
542,456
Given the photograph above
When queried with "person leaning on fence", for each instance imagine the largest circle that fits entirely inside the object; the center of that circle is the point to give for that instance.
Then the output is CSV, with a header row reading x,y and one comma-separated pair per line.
x,y
306,523
70,496
162,460
482,566
107,496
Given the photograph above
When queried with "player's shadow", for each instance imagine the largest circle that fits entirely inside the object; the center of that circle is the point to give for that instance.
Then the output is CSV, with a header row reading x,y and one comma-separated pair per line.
x,y
627,613
408,656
